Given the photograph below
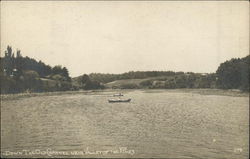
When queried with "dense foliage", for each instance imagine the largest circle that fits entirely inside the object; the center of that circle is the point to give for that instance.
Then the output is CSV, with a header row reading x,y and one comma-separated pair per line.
x,y
84,82
105,78
185,80
234,74
19,74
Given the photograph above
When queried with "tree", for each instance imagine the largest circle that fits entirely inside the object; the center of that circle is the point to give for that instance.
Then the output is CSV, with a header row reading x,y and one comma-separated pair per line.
x,y
18,73
86,83
8,62
57,69
65,73
83,79
234,74
32,81
18,53
146,83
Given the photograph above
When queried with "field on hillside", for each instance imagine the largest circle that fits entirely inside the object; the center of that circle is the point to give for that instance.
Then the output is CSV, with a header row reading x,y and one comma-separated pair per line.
x,y
119,83
135,82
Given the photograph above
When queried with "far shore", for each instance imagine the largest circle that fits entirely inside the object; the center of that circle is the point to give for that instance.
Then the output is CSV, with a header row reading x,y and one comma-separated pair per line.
x,y
202,91
34,94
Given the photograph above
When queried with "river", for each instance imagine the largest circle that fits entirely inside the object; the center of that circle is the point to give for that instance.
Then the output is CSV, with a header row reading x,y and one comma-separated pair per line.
x,y
156,123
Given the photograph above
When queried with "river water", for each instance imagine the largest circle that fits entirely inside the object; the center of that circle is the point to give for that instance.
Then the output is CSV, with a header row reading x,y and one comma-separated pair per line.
x,y
172,124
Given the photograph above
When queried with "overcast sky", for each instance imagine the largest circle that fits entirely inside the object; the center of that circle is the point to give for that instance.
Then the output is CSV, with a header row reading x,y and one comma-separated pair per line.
x,y
117,37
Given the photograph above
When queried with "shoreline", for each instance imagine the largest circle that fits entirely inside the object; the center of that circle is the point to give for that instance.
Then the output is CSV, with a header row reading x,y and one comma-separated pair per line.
x,y
202,91
209,91
35,94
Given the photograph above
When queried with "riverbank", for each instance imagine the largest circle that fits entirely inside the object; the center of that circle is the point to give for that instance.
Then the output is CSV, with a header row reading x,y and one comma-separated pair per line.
x,y
22,95
232,92
202,91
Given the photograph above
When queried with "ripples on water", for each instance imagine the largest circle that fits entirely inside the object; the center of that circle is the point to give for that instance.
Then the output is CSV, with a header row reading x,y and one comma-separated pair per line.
x,y
157,124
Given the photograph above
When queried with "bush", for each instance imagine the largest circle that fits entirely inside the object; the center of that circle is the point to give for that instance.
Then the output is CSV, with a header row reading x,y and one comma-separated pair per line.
x,y
170,84
146,83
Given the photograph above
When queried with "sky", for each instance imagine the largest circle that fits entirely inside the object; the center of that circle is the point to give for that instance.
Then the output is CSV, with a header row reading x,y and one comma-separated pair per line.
x,y
117,37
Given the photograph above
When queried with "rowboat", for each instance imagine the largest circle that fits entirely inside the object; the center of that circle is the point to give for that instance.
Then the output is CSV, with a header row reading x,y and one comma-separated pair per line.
x,y
117,95
119,100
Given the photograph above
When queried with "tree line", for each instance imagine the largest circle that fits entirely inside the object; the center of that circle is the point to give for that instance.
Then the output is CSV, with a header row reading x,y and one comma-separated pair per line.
x,y
19,74
105,78
25,74
231,74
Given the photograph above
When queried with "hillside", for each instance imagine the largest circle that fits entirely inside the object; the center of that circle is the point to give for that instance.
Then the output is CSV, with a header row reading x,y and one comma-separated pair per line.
x,y
187,80
136,82
125,82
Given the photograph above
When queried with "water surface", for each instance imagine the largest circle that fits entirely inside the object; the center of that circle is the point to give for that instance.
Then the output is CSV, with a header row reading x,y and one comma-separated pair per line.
x,y
173,124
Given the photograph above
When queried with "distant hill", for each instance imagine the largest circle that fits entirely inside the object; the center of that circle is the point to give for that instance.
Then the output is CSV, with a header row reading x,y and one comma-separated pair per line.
x,y
106,78
186,80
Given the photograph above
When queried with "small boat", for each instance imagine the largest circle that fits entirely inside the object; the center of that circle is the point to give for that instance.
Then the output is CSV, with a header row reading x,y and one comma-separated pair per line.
x,y
117,95
119,100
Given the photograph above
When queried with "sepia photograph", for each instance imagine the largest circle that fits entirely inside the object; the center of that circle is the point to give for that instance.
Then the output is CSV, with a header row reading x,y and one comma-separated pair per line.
x,y
124,79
